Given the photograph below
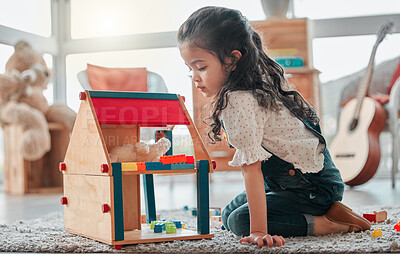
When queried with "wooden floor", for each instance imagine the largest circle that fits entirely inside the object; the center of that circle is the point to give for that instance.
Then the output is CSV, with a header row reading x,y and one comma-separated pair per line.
x,y
175,192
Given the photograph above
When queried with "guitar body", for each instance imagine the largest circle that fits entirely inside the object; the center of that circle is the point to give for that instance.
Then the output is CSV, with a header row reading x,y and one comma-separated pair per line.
x,y
356,153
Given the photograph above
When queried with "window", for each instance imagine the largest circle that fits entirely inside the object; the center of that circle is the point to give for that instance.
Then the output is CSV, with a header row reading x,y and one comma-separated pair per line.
x,y
97,18
27,15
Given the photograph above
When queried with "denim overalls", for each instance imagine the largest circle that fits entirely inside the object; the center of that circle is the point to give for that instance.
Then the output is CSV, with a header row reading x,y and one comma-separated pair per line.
x,y
293,198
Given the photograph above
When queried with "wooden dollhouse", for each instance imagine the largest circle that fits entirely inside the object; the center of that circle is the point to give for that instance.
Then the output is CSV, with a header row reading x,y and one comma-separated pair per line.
x,y
102,200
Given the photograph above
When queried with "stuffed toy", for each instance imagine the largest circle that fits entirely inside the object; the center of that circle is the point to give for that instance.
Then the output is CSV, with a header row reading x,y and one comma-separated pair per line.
x,y
140,152
22,101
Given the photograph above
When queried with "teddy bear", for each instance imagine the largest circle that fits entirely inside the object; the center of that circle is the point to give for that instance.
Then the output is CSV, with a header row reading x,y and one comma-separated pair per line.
x,y
22,101
140,152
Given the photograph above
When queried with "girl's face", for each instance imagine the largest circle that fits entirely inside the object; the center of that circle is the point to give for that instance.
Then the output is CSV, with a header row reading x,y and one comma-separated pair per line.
x,y
208,73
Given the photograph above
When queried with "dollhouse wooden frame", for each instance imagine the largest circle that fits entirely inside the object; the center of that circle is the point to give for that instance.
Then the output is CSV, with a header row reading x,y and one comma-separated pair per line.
x,y
102,201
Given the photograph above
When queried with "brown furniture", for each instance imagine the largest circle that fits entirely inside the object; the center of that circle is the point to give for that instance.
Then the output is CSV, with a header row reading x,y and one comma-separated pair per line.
x,y
22,176
286,35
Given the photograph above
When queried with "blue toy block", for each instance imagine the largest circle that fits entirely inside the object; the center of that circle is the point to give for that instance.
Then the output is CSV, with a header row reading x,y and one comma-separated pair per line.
x,y
157,166
178,223
181,166
158,228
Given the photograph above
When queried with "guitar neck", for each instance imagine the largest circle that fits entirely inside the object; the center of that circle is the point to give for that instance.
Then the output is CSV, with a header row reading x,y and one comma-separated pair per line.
x,y
365,83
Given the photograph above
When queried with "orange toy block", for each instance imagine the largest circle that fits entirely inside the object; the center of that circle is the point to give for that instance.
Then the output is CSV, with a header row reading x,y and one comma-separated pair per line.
x,y
141,166
381,216
172,159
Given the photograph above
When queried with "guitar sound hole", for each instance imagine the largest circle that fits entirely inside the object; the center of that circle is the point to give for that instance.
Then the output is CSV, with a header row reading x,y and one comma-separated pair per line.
x,y
353,124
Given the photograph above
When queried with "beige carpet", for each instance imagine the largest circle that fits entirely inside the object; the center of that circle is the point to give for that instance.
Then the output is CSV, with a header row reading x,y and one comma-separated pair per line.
x,y
47,234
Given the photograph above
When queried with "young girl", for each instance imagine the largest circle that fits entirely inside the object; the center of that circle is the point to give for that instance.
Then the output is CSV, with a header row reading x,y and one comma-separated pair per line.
x,y
292,185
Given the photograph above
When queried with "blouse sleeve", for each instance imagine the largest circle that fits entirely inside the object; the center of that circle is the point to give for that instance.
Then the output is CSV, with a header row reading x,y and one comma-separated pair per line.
x,y
243,123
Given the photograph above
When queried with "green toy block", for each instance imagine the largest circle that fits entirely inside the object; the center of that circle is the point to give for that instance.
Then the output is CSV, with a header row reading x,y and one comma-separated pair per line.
x,y
171,228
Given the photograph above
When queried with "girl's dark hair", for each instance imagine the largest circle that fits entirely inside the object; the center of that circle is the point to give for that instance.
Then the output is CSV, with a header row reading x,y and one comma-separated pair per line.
x,y
220,31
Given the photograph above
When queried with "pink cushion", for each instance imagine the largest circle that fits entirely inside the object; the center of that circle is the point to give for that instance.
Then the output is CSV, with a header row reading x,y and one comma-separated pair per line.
x,y
117,79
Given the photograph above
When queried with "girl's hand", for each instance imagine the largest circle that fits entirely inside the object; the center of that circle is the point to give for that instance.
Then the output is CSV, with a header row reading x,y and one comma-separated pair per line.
x,y
260,239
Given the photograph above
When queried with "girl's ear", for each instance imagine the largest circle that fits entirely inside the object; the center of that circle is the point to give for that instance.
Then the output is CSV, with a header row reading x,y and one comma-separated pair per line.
x,y
233,59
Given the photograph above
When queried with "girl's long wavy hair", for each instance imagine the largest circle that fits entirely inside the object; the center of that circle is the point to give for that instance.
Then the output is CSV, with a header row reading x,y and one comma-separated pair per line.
x,y
220,31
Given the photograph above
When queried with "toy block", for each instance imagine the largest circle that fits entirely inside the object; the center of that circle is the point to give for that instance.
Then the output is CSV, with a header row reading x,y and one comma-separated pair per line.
x,y
213,211
158,228
381,216
189,159
143,218
178,224
181,166
141,166
377,233
157,166
397,227
129,166
370,217
170,159
170,229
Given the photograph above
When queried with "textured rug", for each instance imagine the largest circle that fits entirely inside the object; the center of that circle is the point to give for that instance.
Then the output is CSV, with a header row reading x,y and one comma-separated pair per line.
x,y
47,234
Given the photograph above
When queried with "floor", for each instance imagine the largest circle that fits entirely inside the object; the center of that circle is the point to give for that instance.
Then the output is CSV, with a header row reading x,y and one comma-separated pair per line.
x,y
175,192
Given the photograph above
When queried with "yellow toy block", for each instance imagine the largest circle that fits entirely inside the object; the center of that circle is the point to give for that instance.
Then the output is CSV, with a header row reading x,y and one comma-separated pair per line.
x,y
129,166
377,233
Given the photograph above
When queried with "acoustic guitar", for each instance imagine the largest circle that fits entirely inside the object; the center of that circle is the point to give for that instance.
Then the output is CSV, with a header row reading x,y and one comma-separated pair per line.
x,y
355,149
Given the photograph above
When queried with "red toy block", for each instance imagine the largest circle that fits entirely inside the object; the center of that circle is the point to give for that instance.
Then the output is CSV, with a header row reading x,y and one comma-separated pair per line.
x,y
189,160
117,247
64,201
370,217
62,166
172,159
214,163
141,166
397,227
104,168
82,96
105,208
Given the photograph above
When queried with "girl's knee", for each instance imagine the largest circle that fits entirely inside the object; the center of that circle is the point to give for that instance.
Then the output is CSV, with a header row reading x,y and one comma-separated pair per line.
x,y
239,223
